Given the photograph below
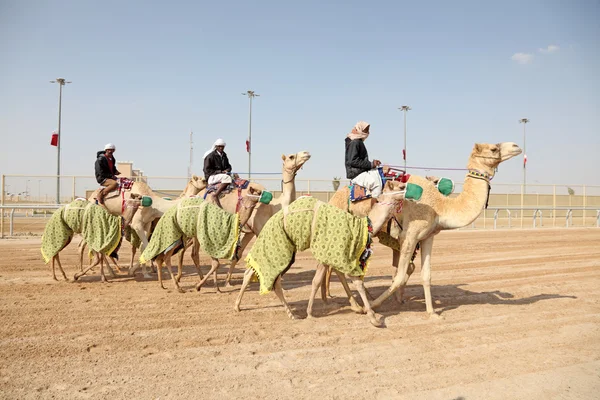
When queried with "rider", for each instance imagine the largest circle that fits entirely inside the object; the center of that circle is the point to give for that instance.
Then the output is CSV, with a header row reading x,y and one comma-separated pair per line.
x,y
106,171
359,169
217,169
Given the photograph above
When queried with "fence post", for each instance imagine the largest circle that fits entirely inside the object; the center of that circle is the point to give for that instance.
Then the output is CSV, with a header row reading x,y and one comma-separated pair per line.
x,y
584,204
2,210
554,206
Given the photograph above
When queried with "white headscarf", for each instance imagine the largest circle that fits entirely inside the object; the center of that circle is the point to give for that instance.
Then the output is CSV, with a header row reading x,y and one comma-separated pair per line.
x,y
358,132
218,142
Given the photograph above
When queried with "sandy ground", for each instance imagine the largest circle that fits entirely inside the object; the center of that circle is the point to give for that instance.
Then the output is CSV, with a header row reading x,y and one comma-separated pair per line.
x,y
520,308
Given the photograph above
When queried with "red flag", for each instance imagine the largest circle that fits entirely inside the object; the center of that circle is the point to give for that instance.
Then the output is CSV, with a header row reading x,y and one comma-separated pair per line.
x,y
404,154
54,139
524,160
248,145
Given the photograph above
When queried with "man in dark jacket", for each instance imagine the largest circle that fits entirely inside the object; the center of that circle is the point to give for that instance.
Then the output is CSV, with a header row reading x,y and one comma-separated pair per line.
x,y
359,169
106,171
217,169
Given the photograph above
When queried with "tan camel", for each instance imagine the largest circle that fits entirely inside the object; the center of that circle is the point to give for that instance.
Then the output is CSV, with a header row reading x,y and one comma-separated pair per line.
x,y
72,227
423,219
291,165
142,221
380,213
247,204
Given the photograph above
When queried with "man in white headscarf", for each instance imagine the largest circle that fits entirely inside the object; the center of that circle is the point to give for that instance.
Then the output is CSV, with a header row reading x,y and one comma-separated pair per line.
x,y
217,169
359,169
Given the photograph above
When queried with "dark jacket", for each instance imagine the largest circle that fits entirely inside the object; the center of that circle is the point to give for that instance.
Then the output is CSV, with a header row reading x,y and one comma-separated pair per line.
x,y
357,158
103,170
216,164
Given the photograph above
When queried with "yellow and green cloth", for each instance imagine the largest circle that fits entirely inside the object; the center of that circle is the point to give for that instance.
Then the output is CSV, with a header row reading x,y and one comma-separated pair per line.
x,y
217,230
335,237
100,230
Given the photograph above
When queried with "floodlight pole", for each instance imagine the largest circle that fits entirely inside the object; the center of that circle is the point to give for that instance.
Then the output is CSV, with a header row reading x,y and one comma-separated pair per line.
x,y
524,121
405,109
251,95
61,82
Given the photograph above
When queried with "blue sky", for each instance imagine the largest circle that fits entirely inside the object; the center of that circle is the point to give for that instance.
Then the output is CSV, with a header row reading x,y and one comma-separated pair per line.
x,y
146,73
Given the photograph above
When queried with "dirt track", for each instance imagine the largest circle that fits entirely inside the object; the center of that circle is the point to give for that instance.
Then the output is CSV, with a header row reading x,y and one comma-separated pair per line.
x,y
521,320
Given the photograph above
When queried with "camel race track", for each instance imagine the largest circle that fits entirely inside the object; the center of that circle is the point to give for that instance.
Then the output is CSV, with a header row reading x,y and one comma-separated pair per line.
x,y
520,319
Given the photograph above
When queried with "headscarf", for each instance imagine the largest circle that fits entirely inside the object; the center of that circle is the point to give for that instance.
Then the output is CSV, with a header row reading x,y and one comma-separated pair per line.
x,y
218,142
358,132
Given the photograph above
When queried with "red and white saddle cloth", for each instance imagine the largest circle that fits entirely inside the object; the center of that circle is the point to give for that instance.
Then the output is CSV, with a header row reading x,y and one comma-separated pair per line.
x,y
125,184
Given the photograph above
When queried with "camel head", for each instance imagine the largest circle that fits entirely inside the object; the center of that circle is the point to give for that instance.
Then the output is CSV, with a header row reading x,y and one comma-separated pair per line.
x,y
198,182
490,155
256,193
293,162
387,203
132,205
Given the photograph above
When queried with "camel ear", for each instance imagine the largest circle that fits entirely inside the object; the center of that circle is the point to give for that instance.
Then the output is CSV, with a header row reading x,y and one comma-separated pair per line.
x,y
135,196
477,148
283,157
195,177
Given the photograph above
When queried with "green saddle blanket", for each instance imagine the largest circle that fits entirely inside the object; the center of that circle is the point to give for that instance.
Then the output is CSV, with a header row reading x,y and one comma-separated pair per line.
x,y
335,237
100,230
217,230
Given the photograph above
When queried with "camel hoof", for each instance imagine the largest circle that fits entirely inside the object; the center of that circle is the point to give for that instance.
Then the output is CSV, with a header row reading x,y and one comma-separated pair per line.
x,y
377,320
198,287
228,285
435,316
75,277
357,309
237,308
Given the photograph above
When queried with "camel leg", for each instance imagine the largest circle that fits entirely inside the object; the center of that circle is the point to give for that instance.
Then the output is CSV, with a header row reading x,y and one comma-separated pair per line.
x,y
247,278
116,264
180,263
102,260
80,274
328,282
80,249
53,272
376,320
214,264
62,271
196,257
131,261
170,268
139,230
426,246
353,303
316,283
408,247
243,243
279,292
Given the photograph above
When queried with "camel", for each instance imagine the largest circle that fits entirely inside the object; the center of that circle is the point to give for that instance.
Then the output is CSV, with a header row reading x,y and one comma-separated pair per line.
x,y
195,207
142,221
424,219
93,222
291,165
333,237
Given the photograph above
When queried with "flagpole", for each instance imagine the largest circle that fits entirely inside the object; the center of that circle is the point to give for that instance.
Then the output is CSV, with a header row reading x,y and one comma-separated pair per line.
x,y
251,95
405,109
61,82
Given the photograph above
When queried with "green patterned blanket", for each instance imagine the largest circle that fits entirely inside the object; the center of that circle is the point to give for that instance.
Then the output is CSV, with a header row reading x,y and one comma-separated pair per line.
x,y
100,230
335,237
217,230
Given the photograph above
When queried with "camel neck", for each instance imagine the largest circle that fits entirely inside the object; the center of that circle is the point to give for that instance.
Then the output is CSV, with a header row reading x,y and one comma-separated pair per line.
x,y
466,207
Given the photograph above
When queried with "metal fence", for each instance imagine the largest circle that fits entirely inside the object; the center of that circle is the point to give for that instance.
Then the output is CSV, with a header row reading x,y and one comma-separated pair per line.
x,y
27,201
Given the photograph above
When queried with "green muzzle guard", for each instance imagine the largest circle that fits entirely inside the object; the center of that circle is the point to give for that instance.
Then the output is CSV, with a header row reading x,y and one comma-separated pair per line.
x,y
146,201
266,197
413,192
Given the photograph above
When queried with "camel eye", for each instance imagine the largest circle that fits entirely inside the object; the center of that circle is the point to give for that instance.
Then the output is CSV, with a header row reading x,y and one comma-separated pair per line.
x,y
292,157
494,149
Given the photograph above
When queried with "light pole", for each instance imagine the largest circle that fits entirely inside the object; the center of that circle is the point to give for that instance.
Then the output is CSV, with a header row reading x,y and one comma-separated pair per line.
x,y
251,95
61,82
524,121
39,195
27,189
405,109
